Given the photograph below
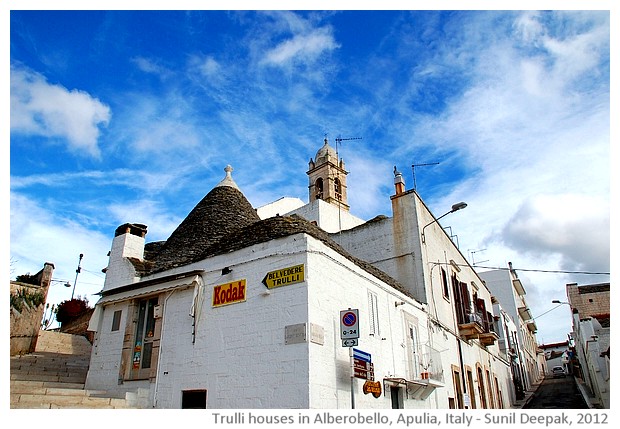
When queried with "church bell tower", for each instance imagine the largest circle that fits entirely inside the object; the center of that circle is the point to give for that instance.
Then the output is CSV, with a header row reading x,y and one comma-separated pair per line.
x,y
328,177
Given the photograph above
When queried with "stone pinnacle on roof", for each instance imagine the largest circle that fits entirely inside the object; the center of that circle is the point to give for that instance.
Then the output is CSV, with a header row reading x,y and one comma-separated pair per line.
x,y
228,180
223,210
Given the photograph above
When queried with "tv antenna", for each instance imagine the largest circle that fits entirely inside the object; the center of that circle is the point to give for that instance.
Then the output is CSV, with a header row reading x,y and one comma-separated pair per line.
x,y
339,141
413,166
473,253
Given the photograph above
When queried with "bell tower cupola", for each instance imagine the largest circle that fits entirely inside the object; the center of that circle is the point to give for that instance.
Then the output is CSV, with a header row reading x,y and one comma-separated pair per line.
x,y
328,177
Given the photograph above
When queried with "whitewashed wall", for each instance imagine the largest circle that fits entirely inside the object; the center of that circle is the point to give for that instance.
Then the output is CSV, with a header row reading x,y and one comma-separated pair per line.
x,y
239,354
119,270
335,284
328,216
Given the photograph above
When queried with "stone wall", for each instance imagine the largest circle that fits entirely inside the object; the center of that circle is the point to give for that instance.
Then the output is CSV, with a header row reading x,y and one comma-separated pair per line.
x,y
25,324
589,300
79,326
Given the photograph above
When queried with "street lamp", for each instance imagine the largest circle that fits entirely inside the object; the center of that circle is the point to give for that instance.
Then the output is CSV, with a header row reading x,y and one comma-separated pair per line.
x,y
555,301
77,272
455,207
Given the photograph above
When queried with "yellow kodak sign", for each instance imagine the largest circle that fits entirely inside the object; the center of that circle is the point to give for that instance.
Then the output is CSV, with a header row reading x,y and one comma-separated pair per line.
x,y
229,293
285,276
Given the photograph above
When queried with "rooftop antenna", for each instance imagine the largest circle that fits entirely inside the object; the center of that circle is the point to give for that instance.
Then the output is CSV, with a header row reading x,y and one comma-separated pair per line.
x,y
413,166
339,141
473,252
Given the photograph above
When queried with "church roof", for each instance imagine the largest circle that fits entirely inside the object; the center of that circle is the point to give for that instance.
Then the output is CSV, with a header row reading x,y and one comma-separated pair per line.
x,y
326,152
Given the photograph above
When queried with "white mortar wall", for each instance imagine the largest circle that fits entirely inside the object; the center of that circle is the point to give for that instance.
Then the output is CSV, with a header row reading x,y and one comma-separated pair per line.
x,y
340,286
120,271
394,245
239,354
328,216
105,360
279,207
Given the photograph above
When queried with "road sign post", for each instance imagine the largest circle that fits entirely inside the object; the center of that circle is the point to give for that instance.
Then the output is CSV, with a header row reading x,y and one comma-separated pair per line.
x,y
349,333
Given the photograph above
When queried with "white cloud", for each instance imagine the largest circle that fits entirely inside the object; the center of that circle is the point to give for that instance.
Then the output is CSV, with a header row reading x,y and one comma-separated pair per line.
x,y
39,236
151,66
574,226
160,223
210,67
49,110
145,181
301,47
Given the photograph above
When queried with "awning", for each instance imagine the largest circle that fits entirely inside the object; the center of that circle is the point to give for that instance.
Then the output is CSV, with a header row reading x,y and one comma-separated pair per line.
x,y
150,287
415,389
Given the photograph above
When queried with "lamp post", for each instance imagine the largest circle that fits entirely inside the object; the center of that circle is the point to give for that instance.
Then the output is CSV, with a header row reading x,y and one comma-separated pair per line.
x,y
455,207
555,301
77,272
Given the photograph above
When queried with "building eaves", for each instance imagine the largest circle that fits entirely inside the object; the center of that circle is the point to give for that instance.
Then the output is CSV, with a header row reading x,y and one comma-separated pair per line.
x,y
284,226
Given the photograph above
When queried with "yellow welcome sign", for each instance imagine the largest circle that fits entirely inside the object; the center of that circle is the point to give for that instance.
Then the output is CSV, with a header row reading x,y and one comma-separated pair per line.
x,y
284,276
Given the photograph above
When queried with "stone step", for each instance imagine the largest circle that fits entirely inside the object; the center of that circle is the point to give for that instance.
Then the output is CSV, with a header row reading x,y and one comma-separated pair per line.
x,y
58,342
52,376
25,386
49,400
38,394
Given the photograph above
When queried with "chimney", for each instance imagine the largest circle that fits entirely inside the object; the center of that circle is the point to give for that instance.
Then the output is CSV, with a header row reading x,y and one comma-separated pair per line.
x,y
128,243
399,182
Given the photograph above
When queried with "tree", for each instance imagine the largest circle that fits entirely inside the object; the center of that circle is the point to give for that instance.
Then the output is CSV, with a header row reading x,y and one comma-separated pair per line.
x,y
71,309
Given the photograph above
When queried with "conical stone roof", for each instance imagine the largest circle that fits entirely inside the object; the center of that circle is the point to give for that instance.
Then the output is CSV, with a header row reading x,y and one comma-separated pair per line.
x,y
222,211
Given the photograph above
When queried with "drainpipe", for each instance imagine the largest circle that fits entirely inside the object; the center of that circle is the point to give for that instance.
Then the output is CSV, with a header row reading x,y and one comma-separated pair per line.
x,y
161,337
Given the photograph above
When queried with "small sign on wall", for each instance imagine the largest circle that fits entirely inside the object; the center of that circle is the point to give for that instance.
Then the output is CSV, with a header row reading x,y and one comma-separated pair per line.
x,y
284,276
295,334
317,334
228,293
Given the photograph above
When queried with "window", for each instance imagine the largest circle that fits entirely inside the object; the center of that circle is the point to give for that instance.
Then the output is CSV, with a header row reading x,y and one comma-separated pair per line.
x,y
444,284
116,320
482,389
458,389
338,189
194,399
412,341
470,388
318,185
462,300
373,312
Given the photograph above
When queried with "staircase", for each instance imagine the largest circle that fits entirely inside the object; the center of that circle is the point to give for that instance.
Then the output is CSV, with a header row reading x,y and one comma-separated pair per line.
x,y
54,375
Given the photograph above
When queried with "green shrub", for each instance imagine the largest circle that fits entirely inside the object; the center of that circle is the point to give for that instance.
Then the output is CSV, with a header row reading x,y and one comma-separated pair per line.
x,y
24,297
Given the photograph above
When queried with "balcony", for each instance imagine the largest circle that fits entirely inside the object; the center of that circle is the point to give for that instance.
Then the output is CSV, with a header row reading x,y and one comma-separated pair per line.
x,y
430,367
425,379
478,327
472,326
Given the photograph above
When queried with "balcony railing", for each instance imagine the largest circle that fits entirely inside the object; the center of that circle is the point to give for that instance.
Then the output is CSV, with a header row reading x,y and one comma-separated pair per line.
x,y
478,325
430,368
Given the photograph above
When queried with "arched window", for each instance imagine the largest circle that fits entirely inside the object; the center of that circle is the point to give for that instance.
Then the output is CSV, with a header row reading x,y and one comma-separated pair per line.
x,y
338,189
318,186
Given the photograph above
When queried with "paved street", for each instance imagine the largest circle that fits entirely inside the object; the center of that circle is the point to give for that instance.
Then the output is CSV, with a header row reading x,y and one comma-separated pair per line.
x,y
557,393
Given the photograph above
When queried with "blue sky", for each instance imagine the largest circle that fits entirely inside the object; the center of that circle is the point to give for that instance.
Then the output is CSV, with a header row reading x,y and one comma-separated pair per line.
x,y
131,116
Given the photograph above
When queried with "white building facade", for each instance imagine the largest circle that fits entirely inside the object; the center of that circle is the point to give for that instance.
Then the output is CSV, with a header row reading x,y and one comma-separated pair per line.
x,y
509,291
246,312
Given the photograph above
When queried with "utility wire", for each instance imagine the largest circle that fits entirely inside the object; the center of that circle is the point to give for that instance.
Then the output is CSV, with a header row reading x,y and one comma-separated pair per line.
x,y
541,271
